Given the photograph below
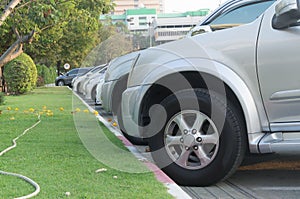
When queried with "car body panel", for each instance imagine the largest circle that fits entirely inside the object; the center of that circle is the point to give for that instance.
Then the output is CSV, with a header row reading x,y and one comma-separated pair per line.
x,y
105,94
278,70
99,91
118,68
228,54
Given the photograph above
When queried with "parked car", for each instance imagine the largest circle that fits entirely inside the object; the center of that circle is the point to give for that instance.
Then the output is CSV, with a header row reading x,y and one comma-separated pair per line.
x,y
80,82
76,81
91,85
115,82
117,74
204,101
66,79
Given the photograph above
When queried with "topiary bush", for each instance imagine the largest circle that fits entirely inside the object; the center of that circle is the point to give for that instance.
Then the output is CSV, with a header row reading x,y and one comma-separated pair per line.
x,y
20,74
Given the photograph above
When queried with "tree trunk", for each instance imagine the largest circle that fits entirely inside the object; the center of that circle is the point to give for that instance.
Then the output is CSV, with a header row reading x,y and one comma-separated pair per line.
x,y
13,52
16,48
7,11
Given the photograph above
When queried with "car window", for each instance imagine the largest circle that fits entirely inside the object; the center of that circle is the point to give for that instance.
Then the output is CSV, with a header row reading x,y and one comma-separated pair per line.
x,y
73,72
83,70
243,14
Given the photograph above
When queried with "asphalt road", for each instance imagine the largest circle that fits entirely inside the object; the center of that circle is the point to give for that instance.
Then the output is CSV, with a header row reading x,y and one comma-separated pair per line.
x,y
269,176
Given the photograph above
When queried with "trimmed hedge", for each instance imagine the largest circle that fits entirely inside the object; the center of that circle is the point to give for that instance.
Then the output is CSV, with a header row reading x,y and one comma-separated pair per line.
x,y
20,74
45,75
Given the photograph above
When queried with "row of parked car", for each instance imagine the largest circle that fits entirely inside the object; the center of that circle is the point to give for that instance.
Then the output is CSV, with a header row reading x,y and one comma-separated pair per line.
x,y
201,103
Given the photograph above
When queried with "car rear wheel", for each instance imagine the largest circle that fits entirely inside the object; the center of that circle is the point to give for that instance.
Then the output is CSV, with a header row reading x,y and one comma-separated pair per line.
x,y
197,147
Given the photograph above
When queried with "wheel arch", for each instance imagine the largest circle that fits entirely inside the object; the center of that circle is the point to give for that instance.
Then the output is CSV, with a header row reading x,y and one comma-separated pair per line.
x,y
235,89
117,91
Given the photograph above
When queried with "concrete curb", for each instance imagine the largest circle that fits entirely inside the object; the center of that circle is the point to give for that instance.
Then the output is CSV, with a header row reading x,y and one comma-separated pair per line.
x,y
173,188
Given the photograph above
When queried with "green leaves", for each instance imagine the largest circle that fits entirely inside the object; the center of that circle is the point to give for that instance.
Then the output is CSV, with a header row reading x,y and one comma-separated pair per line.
x,y
65,30
20,74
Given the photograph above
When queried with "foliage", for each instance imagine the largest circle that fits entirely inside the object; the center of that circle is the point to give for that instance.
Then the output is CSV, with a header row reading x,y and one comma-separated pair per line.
x,y
20,74
140,41
40,81
109,29
114,46
65,30
46,75
2,98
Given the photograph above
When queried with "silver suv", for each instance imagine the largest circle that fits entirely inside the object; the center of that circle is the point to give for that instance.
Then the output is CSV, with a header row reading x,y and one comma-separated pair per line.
x,y
204,101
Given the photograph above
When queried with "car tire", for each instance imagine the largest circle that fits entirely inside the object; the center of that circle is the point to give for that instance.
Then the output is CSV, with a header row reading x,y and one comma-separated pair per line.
x,y
60,83
216,149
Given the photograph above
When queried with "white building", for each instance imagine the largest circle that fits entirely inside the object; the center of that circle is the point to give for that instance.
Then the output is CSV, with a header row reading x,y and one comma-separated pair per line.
x,y
170,27
139,20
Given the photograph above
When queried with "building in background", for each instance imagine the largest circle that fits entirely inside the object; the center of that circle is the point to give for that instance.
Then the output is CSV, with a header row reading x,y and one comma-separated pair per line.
x,y
173,26
123,5
156,28
139,20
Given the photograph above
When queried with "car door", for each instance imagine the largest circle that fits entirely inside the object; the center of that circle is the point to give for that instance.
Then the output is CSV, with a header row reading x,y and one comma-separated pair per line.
x,y
70,75
278,66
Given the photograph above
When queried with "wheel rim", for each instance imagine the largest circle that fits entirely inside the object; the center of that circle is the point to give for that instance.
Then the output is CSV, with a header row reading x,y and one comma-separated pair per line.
x,y
60,83
191,139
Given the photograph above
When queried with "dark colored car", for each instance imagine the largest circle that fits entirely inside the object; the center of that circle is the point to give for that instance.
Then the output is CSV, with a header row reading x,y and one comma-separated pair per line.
x,y
66,79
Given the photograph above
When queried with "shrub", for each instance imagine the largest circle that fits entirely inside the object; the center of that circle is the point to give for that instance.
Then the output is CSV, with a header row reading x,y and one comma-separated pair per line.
x,y
20,74
2,98
40,81
53,75
48,75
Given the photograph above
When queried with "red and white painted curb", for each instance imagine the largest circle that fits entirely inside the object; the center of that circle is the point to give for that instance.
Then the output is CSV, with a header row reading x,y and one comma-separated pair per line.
x,y
173,188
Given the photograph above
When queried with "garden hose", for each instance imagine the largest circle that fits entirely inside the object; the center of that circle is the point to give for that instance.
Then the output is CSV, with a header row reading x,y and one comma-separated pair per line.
x,y
26,179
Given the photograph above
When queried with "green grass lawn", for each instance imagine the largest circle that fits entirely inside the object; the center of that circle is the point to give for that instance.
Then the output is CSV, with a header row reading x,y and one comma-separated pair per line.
x,y
63,152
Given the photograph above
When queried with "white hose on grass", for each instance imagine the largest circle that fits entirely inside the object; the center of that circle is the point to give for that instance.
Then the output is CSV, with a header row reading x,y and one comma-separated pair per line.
x,y
28,180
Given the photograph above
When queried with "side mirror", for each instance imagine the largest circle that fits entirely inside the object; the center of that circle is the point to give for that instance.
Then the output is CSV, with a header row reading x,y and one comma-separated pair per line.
x,y
287,13
199,30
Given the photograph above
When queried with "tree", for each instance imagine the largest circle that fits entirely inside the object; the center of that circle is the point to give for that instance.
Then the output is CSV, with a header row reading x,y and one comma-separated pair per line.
x,y
59,30
8,9
16,48
114,46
